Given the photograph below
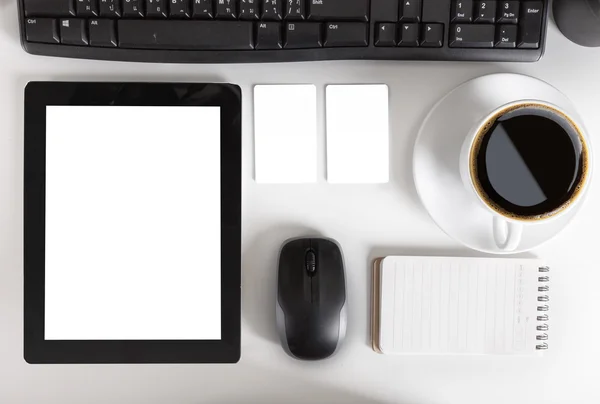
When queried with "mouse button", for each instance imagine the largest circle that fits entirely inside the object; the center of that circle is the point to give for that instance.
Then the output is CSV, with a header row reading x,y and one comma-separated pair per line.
x,y
292,260
329,280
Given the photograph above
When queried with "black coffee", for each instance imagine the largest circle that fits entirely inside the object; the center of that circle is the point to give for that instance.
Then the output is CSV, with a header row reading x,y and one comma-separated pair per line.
x,y
529,162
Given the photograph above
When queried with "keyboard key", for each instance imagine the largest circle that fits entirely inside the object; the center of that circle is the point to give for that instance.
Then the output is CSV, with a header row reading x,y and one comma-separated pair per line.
x,y
346,34
338,10
486,11
43,30
294,9
110,8
268,35
432,35
271,10
506,36
303,35
52,8
202,9
508,12
179,9
87,8
73,31
133,8
177,34
385,34
226,10
530,25
249,10
384,10
410,10
472,36
409,35
156,8
103,33
462,11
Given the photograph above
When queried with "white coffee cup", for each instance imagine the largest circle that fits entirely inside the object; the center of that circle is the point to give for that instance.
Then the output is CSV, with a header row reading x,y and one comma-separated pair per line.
x,y
507,228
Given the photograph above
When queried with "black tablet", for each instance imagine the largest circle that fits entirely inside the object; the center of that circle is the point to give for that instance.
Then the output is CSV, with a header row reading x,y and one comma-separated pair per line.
x,y
132,223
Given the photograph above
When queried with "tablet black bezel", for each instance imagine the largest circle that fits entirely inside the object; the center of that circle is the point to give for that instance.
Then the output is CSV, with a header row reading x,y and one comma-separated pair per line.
x,y
38,95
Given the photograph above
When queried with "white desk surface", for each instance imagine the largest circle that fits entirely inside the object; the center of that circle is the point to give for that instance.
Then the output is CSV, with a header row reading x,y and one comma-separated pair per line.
x,y
368,221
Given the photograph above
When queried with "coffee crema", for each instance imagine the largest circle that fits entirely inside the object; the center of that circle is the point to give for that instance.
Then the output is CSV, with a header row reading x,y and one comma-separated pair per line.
x,y
529,162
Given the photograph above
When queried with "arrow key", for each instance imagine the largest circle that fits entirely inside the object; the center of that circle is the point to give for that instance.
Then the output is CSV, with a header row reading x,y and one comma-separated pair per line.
x,y
409,35
410,10
432,35
385,34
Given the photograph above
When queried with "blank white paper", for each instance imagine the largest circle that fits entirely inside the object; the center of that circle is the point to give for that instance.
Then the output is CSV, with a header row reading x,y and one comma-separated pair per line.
x,y
357,134
133,223
285,134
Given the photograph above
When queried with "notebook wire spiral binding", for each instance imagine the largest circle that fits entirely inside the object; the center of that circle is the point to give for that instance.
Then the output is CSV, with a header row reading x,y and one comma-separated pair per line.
x,y
543,318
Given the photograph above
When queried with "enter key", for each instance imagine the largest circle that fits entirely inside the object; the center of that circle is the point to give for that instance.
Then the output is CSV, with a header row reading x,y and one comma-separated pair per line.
x,y
530,24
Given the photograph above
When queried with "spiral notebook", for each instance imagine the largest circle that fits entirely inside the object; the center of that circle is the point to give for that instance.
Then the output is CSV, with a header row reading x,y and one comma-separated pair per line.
x,y
443,305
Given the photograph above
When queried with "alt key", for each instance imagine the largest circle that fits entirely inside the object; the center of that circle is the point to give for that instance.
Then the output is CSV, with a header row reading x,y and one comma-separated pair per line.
x,y
103,33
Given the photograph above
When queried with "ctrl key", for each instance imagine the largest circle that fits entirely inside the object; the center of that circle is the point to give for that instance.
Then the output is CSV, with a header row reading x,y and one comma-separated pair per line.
x,y
346,34
43,30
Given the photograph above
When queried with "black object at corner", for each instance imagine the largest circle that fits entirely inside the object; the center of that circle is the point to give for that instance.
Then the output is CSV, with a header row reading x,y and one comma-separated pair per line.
x,y
38,95
579,20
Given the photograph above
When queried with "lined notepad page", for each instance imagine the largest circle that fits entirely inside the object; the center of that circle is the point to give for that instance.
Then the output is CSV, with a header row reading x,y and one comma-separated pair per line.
x,y
458,305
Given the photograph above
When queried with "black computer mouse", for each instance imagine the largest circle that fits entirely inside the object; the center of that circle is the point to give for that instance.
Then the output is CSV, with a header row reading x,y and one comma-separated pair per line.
x,y
311,298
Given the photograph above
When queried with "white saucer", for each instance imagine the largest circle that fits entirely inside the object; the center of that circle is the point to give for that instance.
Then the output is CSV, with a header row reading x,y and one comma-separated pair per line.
x,y
437,177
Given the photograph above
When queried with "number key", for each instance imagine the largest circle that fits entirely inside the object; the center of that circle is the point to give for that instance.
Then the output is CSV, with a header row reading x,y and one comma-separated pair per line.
x,y
294,9
486,11
462,11
508,12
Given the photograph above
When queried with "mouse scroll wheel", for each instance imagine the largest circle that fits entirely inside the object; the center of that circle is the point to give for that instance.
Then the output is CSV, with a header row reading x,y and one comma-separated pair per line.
x,y
311,262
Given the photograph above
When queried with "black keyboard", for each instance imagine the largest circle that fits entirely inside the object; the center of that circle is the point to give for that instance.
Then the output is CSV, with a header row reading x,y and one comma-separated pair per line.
x,y
223,31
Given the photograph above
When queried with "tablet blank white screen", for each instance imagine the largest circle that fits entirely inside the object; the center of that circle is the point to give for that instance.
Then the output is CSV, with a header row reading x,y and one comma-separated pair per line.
x,y
133,232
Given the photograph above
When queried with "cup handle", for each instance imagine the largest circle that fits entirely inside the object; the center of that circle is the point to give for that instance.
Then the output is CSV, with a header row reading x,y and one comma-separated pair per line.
x,y
507,234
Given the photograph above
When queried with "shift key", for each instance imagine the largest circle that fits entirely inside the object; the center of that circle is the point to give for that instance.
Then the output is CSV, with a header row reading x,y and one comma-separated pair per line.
x,y
338,10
